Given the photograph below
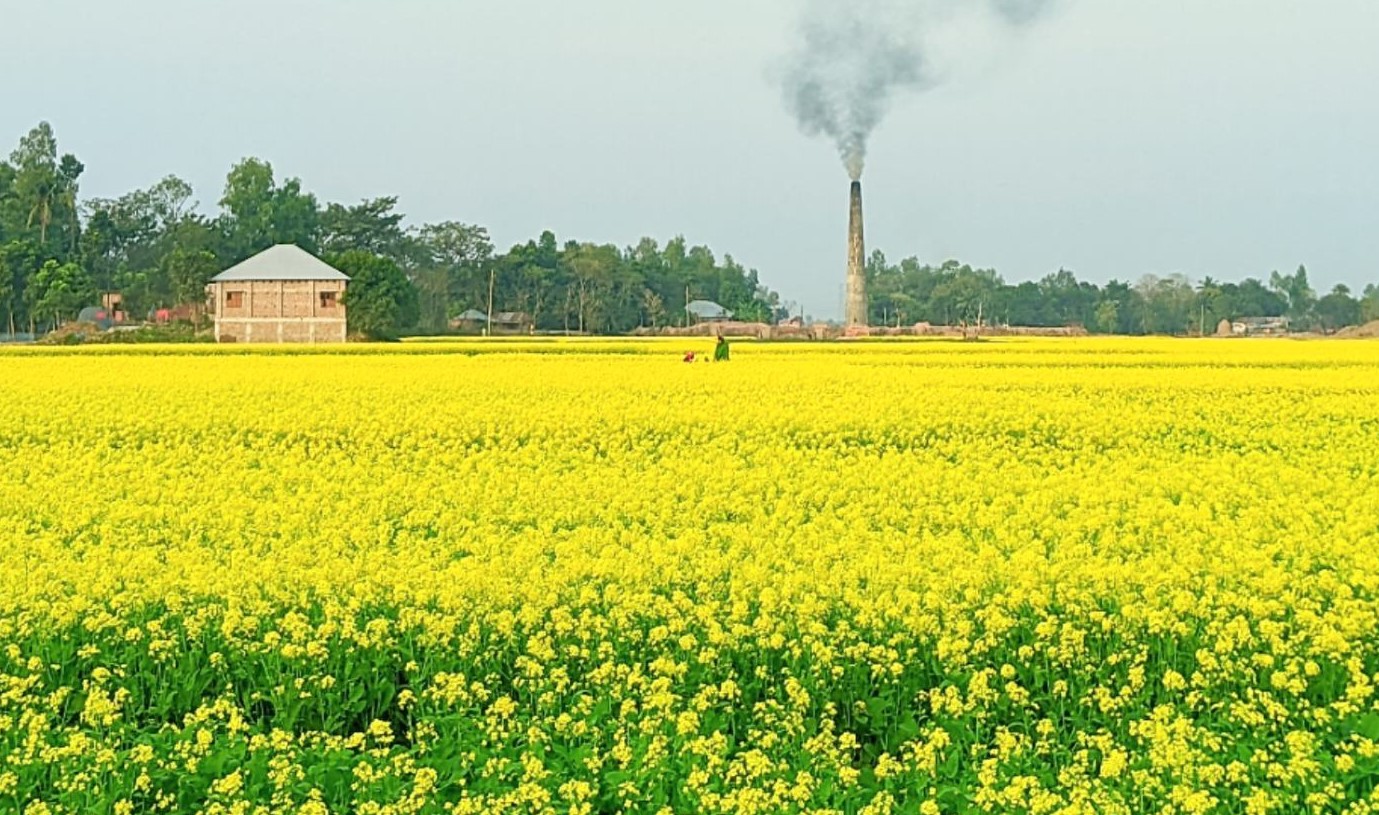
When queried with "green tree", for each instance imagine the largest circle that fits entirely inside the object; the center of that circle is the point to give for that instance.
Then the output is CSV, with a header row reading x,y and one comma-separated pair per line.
x,y
647,265
966,295
134,230
1025,305
127,241
1107,317
653,308
1337,310
36,183
1210,301
463,254
1129,306
60,291
884,287
44,195
18,263
1167,304
188,272
1067,300
381,301
259,213
433,311
373,225
169,202
69,171
737,290
596,273
1369,304
528,278
1251,298
1297,293
9,202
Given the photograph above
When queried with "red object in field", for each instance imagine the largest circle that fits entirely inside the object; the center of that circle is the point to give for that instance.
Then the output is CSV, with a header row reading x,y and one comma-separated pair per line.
x,y
689,357
162,315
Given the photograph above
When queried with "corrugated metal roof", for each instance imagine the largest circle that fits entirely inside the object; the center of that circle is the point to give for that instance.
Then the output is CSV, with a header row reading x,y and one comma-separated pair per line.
x,y
282,262
473,316
707,310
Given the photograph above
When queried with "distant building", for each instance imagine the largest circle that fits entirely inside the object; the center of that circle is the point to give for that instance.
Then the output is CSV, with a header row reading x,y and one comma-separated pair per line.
x,y
187,312
113,303
707,311
512,321
1260,327
284,294
97,316
471,320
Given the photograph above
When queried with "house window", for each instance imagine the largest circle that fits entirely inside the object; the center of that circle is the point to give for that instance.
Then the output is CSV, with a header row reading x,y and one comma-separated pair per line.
x,y
234,299
327,299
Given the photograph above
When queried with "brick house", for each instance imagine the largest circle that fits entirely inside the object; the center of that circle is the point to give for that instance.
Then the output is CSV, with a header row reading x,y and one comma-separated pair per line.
x,y
284,294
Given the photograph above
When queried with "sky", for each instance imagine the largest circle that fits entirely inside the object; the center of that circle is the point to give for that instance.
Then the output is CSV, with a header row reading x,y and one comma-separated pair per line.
x,y
1116,138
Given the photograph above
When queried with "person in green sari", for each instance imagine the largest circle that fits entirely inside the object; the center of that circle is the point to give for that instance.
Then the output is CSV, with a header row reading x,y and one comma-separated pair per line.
x,y
720,351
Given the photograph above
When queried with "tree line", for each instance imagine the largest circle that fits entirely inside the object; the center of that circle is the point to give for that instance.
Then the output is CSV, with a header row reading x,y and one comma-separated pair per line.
x,y
951,294
58,252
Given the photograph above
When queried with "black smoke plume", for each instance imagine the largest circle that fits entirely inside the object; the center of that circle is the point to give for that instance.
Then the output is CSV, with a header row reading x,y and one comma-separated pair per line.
x,y
854,55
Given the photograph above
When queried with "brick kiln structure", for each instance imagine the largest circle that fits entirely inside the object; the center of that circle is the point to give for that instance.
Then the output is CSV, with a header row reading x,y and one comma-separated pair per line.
x,y
284,294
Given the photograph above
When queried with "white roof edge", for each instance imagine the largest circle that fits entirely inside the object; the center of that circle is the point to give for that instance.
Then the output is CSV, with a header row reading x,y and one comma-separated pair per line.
x,y
282,263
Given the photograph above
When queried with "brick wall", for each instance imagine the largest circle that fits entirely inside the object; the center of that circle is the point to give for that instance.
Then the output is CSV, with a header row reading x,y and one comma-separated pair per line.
x,y
279,311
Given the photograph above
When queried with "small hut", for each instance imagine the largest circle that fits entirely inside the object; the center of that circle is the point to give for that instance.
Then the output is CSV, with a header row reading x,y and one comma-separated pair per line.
x,y
513,322
471,320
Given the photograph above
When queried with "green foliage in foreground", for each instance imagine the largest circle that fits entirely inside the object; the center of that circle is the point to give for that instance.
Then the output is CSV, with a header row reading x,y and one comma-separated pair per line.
x,y
377,706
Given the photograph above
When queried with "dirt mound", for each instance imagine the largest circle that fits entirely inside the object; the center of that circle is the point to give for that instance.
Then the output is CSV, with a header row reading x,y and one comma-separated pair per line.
x,y
1368,331
71,334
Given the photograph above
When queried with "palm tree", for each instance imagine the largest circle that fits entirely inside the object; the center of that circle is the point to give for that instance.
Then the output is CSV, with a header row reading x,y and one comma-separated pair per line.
x,y
68,199
42,210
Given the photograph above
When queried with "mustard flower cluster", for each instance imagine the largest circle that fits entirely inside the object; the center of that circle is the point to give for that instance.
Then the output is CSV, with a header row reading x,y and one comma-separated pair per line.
x,y
1057,577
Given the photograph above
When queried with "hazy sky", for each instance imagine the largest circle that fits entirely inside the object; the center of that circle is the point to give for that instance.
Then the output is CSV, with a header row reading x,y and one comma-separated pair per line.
x,y
1117,138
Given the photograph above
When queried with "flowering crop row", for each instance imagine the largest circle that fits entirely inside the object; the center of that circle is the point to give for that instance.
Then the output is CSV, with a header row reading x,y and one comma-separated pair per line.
x,y
1045,576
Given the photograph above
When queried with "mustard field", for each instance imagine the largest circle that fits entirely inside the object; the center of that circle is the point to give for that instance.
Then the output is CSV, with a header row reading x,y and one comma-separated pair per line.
x,y
1025,576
